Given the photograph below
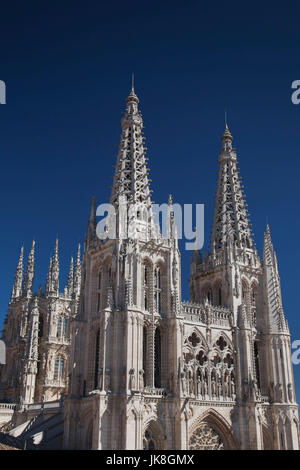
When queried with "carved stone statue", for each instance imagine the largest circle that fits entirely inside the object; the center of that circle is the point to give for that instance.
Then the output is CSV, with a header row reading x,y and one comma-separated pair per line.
x,y
290,392
141,379
183,382
191,382
213,388
131,379
280,393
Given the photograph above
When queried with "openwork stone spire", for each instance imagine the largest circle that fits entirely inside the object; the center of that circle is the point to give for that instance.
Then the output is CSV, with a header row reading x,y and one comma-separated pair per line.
x,y
17,286
55,269
52,281
77,273
230,215
70,281
276,319
29,272
131,173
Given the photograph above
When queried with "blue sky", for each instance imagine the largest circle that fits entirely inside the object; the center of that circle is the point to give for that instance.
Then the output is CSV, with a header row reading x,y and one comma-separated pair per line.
x,y
67,67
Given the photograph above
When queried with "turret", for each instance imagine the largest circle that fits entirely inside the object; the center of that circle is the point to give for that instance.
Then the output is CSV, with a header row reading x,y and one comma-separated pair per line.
x,y
29,273
17,286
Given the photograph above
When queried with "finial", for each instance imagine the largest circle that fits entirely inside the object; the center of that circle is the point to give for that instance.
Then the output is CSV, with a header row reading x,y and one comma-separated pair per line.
x,y
92,211
132,82
225,118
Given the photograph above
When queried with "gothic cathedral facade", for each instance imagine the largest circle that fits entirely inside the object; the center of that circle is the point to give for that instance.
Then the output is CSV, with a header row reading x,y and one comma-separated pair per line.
x,y
139,368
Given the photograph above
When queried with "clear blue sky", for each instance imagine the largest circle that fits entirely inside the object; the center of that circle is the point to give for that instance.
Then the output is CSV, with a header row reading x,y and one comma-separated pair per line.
x,y
67,66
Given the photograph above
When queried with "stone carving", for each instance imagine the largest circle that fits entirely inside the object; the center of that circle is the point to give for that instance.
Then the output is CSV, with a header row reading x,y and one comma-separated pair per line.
x,y
205,438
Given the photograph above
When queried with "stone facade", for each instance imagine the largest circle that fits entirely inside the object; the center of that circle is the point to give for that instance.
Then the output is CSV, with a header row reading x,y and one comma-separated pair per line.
x,y
146,370
37,334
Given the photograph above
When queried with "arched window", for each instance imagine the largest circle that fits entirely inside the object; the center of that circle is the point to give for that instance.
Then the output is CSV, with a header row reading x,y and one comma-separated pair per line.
x,y
41,326
59,327
98,293
157,358
244,291
146,285
220,296
97,349
157,290
145,354
148,441
206,437
59,366
56,368
256,358
65,326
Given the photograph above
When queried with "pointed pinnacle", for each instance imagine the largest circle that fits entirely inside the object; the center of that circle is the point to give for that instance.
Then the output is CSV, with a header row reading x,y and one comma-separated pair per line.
x,y
92,211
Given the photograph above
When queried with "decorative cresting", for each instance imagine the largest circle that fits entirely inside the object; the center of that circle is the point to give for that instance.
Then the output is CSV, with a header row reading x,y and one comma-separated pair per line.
x,y
207,371
231,215
205,437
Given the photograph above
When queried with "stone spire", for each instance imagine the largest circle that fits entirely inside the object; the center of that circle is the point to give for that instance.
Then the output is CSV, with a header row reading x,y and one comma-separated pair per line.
x,y
49,279
70,282
271,285
52,281
131,173
55,269
91,233
29,272
77,274
230,214
17,286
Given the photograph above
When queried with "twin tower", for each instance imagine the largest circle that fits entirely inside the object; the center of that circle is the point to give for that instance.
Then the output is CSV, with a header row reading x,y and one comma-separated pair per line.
x,y
140,369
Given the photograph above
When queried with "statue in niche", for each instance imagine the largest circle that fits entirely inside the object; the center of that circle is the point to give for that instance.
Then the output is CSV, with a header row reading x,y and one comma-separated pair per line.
x,y
141,379
213,388
280,393
220,392
191,382
226,388
183,382
131,379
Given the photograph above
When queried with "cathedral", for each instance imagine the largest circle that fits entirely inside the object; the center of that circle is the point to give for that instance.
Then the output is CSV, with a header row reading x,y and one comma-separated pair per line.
x,y
131,364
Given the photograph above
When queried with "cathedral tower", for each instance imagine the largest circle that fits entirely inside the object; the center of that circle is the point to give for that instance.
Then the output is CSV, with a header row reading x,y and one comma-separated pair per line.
x,y
125,352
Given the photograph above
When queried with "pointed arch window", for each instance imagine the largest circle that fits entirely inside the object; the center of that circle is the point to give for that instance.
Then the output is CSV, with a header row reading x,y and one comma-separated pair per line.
x,y
59,327
59,366
97,350
145,286
157,289
145,354
99,286
157,358
220,296
65,326
41,326
256,359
